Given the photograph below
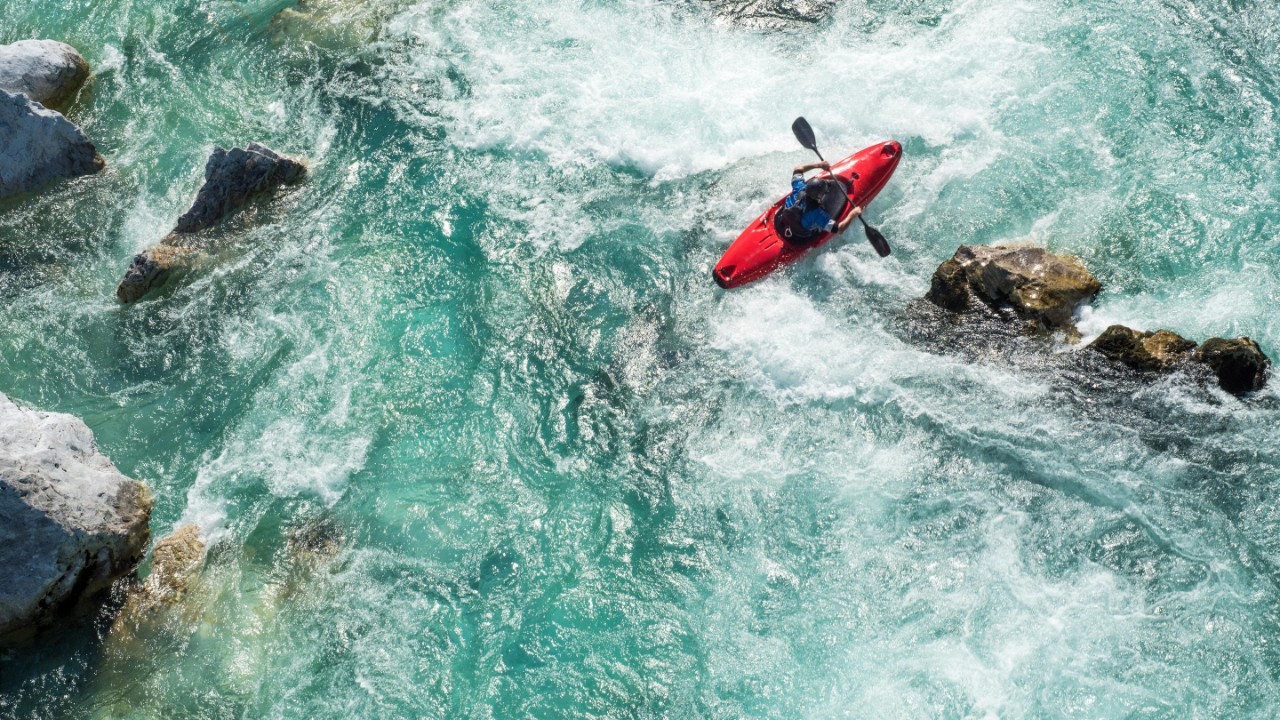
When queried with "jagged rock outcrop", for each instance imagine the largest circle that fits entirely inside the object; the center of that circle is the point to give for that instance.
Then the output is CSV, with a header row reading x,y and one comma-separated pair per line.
x,y
70,523
1240,364
231,179
1157,351
40,146
46,71
1042,288
774,14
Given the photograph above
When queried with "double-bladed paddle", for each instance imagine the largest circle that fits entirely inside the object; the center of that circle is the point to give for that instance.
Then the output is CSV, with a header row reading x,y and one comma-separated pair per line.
x,y
804,133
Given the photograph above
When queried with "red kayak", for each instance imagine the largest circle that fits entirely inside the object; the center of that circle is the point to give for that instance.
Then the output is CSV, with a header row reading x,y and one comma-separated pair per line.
x,y
760,250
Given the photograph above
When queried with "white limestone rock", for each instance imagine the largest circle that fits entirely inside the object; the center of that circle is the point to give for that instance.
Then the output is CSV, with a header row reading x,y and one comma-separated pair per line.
x,y
70,523
47,71
39,146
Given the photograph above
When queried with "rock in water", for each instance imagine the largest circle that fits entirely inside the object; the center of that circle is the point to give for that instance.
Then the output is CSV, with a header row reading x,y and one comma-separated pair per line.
x,y
774,14
231,178
1041,287
40,146
1240,364
70,523
150,268
1155,351
175,560
46,71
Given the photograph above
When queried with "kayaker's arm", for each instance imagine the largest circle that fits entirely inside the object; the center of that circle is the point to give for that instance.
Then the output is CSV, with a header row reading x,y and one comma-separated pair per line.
x,y
848,219
802,169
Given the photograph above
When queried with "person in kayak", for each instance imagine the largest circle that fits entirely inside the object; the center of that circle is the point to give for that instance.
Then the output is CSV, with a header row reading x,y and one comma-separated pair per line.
x,y
810,209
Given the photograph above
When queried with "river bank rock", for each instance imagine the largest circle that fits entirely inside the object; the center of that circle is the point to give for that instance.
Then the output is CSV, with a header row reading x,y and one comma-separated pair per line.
x,y
1042,288
1240,364
231,179
70,523
40,146
46,71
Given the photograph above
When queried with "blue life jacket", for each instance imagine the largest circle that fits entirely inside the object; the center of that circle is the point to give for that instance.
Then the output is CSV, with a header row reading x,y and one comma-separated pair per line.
x,y
801,218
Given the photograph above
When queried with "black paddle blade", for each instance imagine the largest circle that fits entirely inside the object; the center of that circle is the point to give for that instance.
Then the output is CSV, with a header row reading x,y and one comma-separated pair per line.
x,y
804,134
877,241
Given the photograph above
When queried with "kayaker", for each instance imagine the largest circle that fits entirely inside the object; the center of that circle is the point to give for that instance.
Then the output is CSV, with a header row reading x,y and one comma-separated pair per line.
x,y
809,208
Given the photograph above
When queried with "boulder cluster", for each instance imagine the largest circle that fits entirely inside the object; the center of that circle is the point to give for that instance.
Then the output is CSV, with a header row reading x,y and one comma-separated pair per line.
x,y
1044,290
41,145
71,525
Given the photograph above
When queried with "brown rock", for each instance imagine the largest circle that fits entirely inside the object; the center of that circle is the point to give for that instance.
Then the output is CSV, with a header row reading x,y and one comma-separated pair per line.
x,y
1038,285
1155,351
152,268
175,560
1240,364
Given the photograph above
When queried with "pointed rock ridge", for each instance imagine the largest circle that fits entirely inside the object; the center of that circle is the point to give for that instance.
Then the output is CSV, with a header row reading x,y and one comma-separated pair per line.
x,y
46,71
70,523
1158,351
1043,288
40,146
231,179
1240,364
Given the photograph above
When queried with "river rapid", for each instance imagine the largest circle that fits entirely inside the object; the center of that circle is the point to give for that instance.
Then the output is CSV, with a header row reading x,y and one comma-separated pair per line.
x,y
472,433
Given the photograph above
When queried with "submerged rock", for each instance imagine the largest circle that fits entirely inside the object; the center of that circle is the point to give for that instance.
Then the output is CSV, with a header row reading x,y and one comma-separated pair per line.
x,y
333,24
70,523
231,179
774,14
46,71
1240,364
1157,351
175,560
40,146
1042,288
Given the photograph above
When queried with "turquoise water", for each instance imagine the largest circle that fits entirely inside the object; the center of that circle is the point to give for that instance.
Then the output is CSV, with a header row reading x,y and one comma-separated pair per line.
x,y
472,434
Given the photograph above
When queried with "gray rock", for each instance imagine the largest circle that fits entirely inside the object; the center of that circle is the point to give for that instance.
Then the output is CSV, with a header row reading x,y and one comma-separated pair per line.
x,y
46,71
70,523
1042,288
773,14
1240,364
231,178
175,561
40,146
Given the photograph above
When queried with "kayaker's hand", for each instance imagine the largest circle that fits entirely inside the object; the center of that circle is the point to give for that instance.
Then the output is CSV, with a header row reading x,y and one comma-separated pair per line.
x,y
855,212
824,165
